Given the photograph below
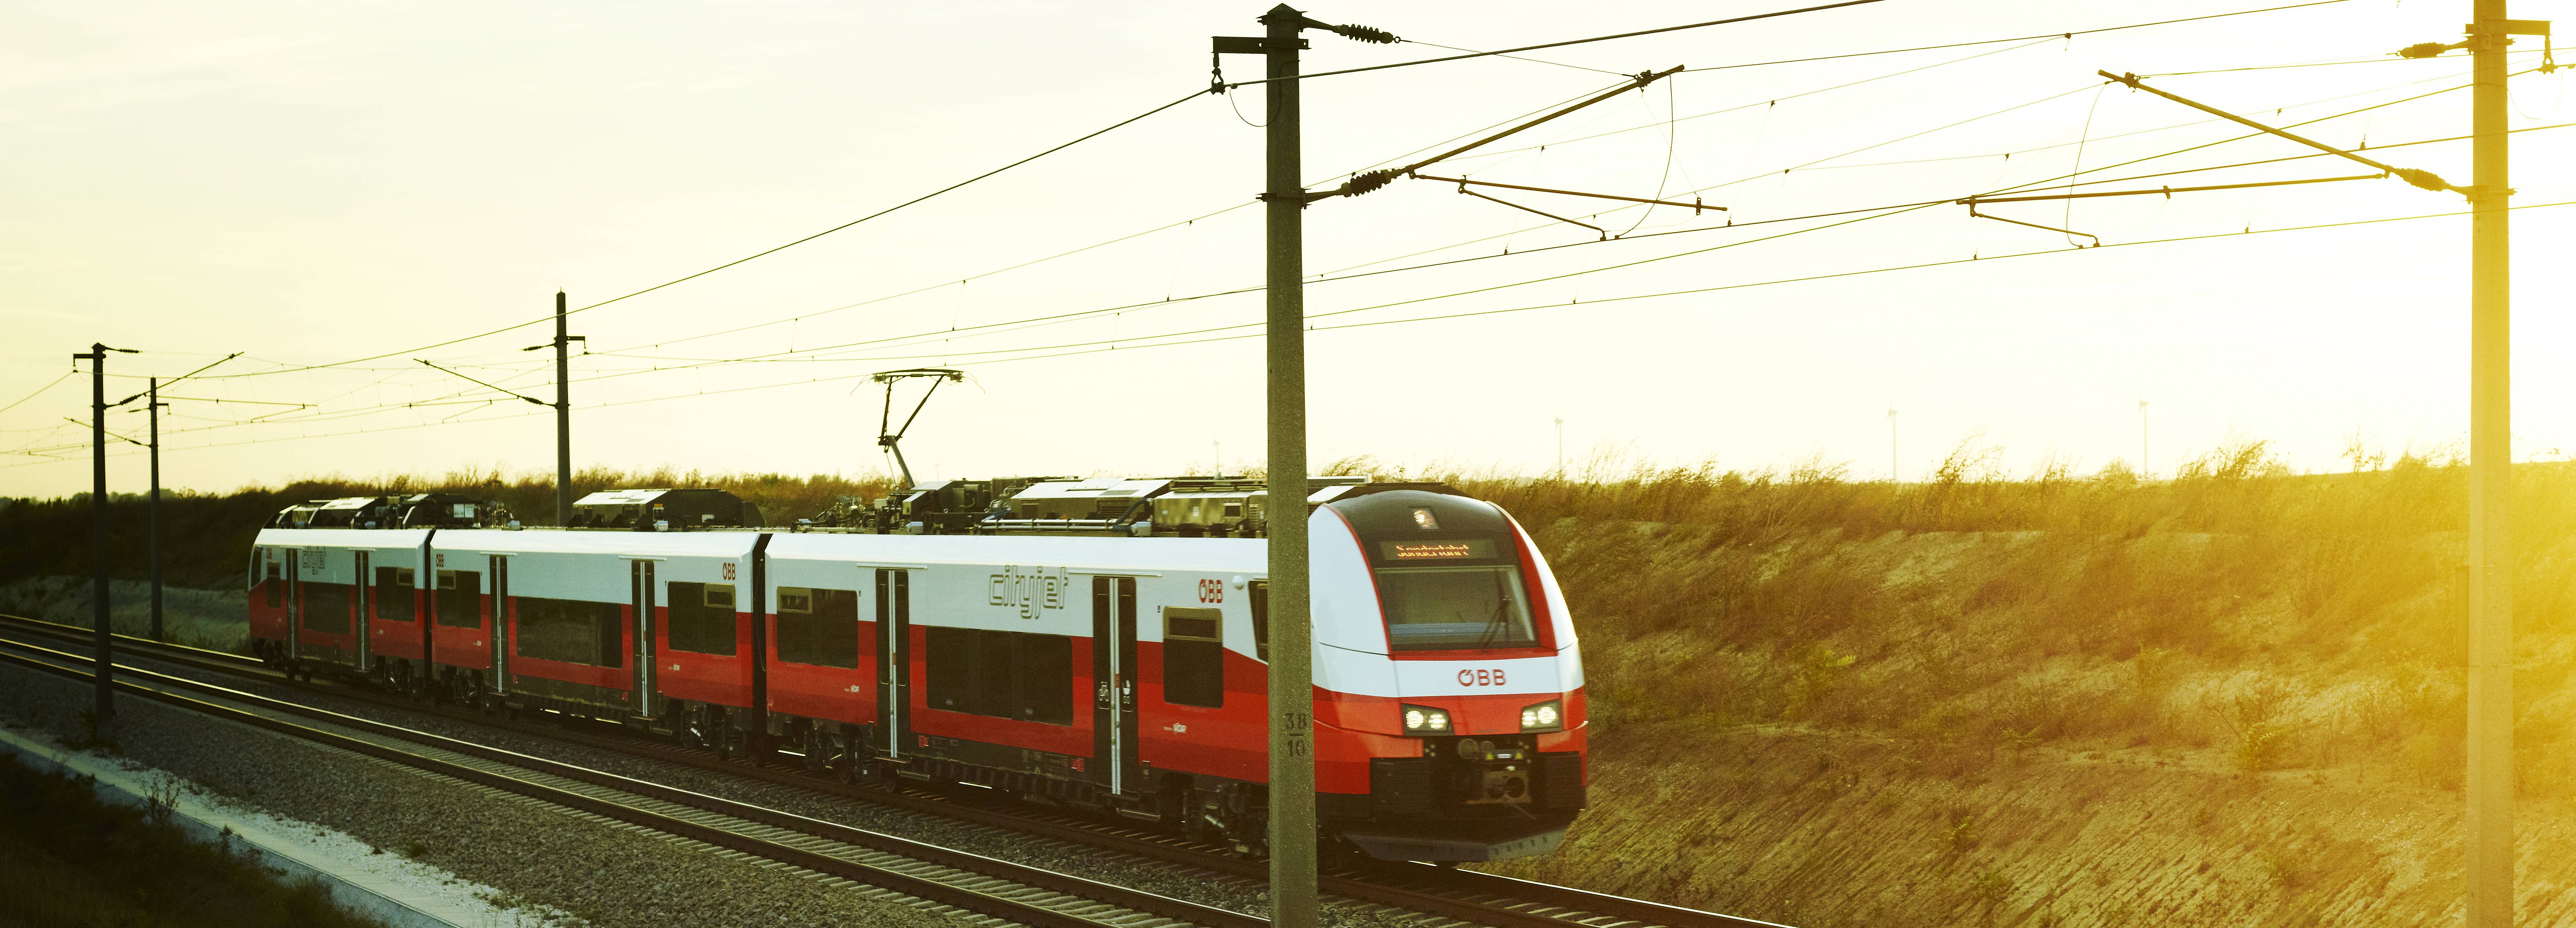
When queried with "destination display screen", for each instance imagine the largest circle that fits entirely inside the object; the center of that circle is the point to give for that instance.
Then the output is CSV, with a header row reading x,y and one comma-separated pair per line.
x,y
1456,549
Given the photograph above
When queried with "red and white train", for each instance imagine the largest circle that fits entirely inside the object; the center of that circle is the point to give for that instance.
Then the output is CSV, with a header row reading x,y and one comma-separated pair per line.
x,y
1096,643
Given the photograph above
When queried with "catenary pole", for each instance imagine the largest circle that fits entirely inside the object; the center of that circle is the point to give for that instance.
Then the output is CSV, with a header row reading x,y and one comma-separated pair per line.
x,y
104,714
152,508
1292,697
2490,754
1892,477
563,418
2145,472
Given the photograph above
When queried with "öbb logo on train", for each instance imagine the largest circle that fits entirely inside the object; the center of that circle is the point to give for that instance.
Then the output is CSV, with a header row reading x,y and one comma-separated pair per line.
x,y
1211,591
1492,677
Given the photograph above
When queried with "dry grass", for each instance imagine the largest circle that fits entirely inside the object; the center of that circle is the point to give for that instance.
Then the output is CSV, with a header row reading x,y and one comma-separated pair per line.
x,y
1983,633
2288,618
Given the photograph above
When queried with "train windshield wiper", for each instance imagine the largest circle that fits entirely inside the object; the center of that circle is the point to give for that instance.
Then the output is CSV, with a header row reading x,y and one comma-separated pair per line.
x,y
1496,624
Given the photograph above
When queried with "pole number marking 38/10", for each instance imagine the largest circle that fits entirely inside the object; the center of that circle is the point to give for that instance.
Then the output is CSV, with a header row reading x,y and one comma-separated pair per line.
x,y
1480,677
1211,591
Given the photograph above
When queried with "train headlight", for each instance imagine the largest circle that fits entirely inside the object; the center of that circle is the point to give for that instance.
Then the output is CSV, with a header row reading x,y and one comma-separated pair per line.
x,y
1546,716
1426,720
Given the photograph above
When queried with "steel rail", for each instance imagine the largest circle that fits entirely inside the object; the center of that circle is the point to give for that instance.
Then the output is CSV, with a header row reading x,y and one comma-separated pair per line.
x,y
1466,895
137,681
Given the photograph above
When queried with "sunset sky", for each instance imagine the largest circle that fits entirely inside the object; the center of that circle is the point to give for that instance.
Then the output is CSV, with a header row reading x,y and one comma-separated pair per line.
x,y
312,183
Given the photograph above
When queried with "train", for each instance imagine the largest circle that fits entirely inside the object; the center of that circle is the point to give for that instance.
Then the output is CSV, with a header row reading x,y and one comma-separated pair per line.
x,y
1099,643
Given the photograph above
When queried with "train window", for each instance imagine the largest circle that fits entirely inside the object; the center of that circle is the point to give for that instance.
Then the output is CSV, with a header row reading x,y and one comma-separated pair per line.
x,y
1261,619
994,687
947,663
326,608
1455,608
1045,678
1193,656
572,631
702,619
818,627
276,587
393,597
460,598
1011,675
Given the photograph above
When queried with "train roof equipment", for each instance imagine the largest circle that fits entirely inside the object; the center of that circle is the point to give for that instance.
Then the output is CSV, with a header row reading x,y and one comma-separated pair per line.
x,y
664,509
417,510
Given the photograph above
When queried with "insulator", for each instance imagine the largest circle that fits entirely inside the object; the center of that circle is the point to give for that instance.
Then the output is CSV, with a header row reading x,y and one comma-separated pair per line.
x,y
2423,178
1372,180
2423,50
1365,34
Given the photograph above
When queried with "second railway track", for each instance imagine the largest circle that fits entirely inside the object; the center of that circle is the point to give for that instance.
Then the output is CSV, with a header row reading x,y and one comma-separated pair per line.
x,y
1387,889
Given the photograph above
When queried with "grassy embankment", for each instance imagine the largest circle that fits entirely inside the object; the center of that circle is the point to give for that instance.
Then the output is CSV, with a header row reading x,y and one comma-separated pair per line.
x,y
2234,697
68,859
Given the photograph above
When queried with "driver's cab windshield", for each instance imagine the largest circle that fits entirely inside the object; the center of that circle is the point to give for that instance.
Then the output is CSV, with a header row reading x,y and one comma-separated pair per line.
x,y
1455,608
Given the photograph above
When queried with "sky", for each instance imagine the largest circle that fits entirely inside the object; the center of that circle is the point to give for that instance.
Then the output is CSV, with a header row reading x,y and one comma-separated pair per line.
x,y
340,191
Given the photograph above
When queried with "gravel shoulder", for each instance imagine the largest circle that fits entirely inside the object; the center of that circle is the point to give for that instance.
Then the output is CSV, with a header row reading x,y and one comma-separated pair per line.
x,y
601,873
1168,879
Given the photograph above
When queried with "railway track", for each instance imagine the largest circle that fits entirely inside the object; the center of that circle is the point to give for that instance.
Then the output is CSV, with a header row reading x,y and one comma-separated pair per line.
x,y
1461,895
1000,889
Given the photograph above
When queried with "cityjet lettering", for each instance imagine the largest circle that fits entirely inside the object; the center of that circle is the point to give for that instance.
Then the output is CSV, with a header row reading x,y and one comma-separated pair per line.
x,y
1028,589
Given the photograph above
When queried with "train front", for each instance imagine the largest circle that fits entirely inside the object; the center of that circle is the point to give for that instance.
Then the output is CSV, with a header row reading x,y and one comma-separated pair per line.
x,y
1449,691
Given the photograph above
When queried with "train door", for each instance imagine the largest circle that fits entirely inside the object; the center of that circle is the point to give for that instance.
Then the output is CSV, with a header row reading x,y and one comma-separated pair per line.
x,y
424,608
641,599
1113,662
894,657
501,628
362,594
294,580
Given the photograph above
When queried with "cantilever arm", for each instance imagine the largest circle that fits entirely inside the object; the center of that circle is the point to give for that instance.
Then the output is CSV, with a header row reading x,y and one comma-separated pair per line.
x,y
1372,180
482,384
2419,177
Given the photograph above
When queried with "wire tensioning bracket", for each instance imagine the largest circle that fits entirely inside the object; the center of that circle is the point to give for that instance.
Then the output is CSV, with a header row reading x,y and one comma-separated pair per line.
x,y
1973,214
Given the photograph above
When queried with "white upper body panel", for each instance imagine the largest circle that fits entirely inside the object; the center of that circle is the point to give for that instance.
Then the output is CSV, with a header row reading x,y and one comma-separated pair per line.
x,y
1134,556
360,539
594,566
322,555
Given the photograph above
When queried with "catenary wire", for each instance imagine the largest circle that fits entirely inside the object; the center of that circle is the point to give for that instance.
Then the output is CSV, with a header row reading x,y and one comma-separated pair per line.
x,y
1882,211
1376,323
1772,101
1815,165
661,342
2391,103
2048,35
67,375
1165,227
1512,57
1194,94
1601,38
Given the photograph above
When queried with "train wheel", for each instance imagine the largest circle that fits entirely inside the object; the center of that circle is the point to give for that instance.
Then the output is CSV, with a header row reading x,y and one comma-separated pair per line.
x,y
818,750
